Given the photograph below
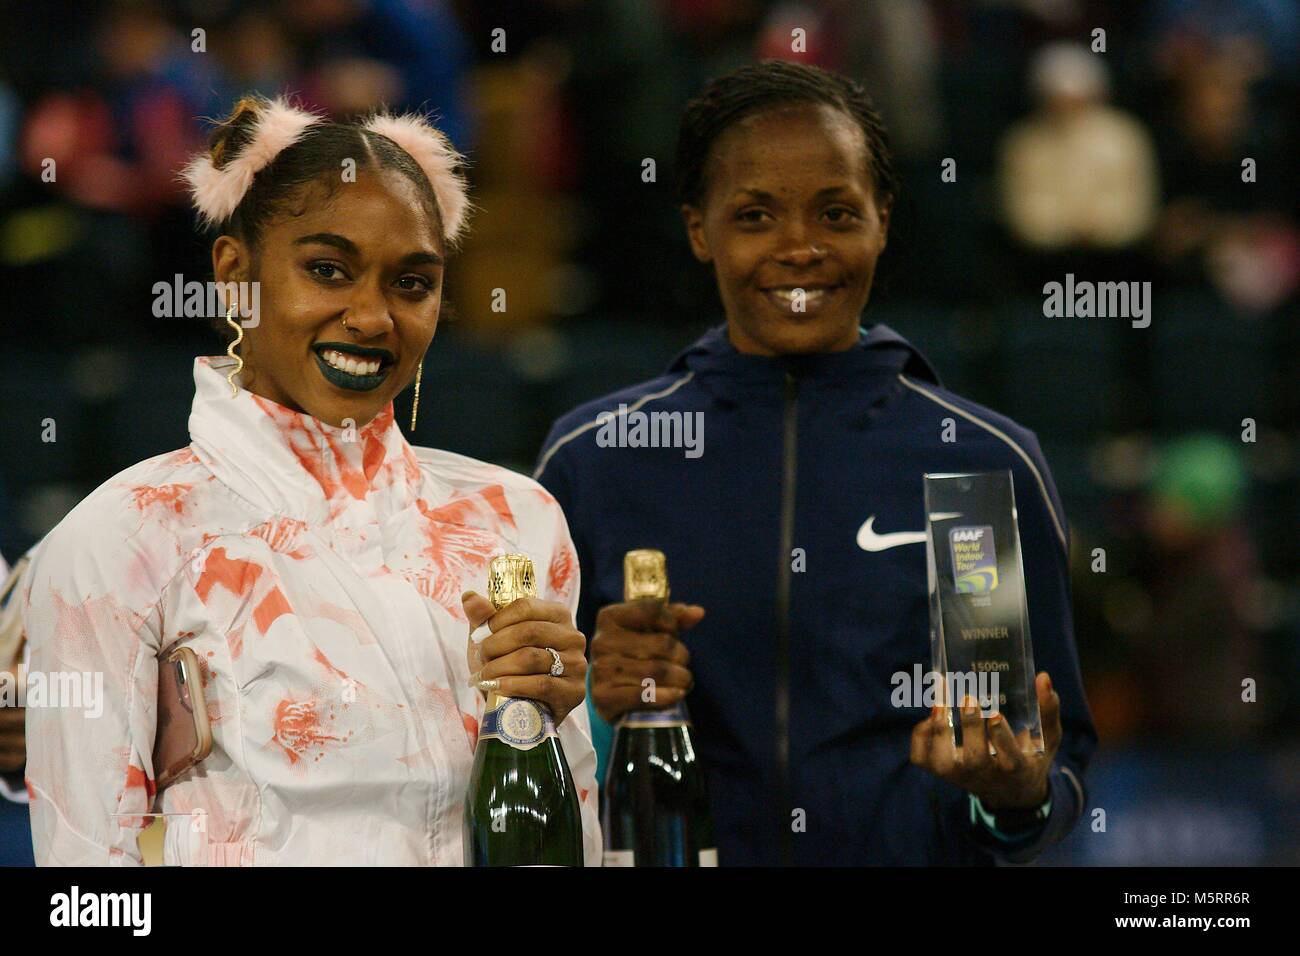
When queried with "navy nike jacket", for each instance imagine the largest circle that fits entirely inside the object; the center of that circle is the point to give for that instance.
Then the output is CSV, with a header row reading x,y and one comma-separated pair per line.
x,y
819,457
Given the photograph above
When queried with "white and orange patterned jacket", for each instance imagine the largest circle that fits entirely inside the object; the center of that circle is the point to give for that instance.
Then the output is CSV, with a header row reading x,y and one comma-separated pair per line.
x,y
318,579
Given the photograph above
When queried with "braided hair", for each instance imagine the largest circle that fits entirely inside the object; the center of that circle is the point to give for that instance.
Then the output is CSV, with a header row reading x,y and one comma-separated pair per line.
x,y
767,85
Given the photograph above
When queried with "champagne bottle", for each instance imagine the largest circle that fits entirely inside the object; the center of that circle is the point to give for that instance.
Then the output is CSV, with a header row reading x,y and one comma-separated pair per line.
x,y
521,808
656,807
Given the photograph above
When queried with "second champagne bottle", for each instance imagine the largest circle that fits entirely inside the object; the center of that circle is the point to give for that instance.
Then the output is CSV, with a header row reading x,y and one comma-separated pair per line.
x,y
655,810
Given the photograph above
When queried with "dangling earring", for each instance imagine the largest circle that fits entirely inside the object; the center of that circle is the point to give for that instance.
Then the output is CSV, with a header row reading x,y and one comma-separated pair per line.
x,y
415,406
230,350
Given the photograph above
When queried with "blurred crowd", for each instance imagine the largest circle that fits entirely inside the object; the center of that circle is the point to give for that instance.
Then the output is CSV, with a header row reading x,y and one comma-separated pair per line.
x,y
1035,138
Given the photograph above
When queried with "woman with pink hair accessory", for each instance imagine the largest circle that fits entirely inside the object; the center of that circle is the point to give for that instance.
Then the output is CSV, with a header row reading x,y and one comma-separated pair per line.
x,y
320,567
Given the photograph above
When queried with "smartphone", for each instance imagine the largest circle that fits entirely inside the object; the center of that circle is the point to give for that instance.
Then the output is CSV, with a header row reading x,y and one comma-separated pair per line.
x,y
184,736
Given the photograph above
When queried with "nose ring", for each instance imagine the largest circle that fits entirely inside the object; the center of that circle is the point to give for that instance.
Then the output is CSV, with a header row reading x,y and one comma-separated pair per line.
x,y
346,327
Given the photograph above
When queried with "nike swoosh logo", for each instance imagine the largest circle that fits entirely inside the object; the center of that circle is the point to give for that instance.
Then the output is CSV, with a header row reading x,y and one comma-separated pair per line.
x,y
869,540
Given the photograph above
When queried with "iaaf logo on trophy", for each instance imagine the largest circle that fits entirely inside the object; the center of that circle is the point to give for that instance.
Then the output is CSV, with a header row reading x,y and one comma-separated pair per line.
x,y
974,560
199,300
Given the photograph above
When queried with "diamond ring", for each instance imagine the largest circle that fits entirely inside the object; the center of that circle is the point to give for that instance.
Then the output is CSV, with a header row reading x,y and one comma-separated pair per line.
x,y
557,668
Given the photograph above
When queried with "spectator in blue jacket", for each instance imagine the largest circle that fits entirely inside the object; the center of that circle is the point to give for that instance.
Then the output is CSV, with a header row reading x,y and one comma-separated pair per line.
x,y
794,515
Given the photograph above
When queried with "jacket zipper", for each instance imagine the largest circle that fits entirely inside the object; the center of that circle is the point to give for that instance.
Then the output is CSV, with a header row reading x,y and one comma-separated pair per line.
x,y
789,450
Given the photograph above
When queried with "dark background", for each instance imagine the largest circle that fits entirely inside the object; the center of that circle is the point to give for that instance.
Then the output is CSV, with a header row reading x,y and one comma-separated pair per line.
x,y
1143,427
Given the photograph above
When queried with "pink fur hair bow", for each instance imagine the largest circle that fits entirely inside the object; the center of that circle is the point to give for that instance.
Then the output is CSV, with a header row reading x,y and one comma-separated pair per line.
x,y
434,154
218,192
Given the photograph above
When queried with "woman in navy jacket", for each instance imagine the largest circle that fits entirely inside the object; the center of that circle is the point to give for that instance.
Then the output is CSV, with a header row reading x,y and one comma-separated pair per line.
x,y
794,516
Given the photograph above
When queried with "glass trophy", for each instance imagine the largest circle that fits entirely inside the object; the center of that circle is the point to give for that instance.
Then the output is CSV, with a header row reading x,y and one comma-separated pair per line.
x,y
979,620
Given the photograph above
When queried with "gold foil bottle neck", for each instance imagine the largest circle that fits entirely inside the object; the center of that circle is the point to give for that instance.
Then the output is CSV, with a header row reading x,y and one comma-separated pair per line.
x,y
510,577
645,575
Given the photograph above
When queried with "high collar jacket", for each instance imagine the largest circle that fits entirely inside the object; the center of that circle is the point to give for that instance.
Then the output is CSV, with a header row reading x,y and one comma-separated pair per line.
x,y
316,572
797,522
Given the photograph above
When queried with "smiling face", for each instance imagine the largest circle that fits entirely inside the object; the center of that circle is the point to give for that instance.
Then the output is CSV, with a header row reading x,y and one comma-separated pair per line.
x,y
789,205
370,253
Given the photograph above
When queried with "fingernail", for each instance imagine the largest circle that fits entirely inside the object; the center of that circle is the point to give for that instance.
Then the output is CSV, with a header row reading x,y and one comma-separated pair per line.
x,y
466,596
488,685
996,718
1049,683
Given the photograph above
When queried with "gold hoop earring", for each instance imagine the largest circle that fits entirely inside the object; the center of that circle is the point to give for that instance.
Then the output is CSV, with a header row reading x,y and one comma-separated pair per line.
x,y
230,350
415,406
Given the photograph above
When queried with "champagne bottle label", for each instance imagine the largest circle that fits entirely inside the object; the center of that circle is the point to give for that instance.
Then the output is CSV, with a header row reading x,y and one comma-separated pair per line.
x,y
674,716
523,724
709,857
